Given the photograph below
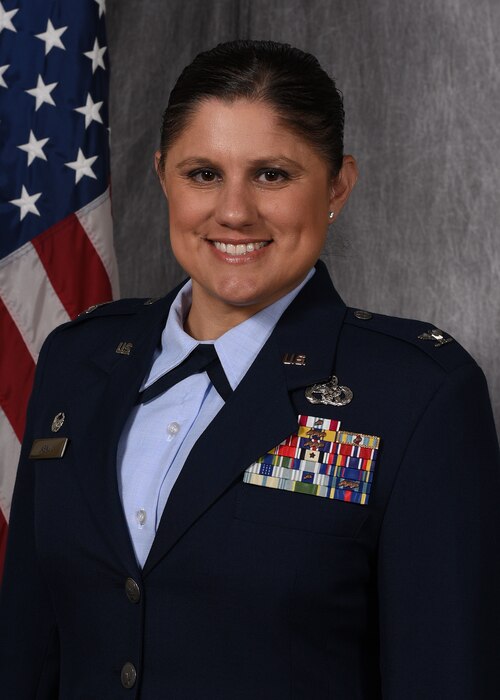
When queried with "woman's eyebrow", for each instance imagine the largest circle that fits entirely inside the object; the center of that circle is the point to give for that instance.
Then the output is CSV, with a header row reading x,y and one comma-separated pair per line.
x,y
275,159
194,160
262,161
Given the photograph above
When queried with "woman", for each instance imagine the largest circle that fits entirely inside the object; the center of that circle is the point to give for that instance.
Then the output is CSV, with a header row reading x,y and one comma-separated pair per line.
x,y
310,512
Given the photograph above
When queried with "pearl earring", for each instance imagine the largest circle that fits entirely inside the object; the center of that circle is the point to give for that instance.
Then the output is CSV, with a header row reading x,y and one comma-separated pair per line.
x,y
331,214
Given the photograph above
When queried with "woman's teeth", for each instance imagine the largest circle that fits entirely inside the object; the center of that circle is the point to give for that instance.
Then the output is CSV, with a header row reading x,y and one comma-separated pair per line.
x,y
241,248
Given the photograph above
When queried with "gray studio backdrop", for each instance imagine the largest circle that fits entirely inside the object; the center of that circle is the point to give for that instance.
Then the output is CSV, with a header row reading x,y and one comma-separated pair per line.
x,y
420,236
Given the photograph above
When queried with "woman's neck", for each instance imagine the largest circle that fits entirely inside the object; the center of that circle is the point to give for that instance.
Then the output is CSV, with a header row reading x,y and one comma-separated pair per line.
x,y
210,317
210,324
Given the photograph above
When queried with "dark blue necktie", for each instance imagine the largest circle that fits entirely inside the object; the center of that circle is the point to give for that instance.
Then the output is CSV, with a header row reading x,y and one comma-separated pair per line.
x,y
203,358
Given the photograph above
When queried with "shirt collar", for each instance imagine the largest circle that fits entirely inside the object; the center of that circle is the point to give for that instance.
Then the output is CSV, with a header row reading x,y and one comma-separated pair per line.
x,y
237,348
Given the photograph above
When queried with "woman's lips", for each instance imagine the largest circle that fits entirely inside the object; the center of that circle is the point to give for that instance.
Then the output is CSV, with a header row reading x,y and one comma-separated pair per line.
x,y
239,248
238,252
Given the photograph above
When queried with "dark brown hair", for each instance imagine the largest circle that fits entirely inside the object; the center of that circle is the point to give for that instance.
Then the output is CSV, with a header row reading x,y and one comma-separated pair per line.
x,y
290,80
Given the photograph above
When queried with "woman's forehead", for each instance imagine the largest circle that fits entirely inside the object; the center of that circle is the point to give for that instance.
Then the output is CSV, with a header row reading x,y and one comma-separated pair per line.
x,y
214,117
242,127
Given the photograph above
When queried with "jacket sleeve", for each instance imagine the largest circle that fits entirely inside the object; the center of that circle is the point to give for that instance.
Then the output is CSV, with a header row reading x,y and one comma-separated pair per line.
x,y
29,657
439,553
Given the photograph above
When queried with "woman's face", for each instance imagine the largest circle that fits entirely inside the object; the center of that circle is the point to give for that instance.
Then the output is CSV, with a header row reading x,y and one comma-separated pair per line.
x,y
248,202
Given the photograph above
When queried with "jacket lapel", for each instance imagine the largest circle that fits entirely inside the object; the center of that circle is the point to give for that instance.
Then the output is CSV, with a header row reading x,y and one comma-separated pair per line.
x,y
120,376
260,413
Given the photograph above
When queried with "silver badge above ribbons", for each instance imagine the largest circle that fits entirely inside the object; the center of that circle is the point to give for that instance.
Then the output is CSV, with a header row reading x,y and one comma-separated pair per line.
x,y
330,394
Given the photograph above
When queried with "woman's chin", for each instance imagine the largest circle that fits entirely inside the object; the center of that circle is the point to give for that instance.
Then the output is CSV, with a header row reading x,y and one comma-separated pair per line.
x,y
234,296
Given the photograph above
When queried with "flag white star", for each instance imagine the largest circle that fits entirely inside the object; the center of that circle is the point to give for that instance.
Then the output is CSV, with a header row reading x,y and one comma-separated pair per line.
x,y
82,166
34,148
42,93
26,203
6,19
2,71
96,56
91,111
102,6
52,37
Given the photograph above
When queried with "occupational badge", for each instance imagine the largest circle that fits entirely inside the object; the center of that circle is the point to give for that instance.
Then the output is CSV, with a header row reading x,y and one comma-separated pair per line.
x,y
319,460
330,394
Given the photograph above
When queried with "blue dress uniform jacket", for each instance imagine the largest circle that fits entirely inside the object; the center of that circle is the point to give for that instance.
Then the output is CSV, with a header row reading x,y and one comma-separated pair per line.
x,y
250,591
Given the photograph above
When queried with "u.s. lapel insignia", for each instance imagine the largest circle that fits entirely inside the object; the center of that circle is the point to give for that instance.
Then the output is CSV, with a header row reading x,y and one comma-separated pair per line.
x,y
124,348
330,394
437,335
292,358
57,423
319,460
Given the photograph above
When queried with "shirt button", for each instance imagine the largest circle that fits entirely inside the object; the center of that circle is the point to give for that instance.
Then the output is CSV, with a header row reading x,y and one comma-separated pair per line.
x,y
173,428
140,517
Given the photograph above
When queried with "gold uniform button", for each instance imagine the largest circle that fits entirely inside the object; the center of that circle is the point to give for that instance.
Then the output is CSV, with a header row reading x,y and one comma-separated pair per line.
x,y
128,675
132,590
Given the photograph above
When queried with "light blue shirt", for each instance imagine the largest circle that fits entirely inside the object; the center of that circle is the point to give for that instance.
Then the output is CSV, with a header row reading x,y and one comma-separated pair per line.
x,y
158,436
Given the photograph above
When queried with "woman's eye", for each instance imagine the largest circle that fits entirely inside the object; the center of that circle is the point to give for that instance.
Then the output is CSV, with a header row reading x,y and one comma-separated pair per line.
x,y
203,175
272,175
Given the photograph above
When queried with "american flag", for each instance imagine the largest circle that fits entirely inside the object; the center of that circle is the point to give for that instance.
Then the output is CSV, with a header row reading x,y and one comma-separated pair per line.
x,y
56,249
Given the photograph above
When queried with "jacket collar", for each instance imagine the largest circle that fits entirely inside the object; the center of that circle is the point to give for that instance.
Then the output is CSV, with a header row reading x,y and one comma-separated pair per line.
x,y
310,327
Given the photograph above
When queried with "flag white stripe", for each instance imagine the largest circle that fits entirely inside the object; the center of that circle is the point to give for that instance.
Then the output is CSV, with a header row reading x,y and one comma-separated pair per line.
x,y
11,449
97,222
30,297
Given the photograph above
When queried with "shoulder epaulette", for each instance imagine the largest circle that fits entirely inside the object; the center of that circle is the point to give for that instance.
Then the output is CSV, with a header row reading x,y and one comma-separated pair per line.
x,y
437,344
93,308
109,308
120,307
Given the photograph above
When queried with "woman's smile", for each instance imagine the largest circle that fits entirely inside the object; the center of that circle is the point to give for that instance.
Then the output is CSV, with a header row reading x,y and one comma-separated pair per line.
x,y
237,252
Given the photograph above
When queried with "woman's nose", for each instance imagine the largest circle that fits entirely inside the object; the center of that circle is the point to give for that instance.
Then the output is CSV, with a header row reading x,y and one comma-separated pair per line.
x,y
235,207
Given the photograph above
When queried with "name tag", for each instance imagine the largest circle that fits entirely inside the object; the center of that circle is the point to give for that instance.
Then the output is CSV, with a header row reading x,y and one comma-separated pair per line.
x,y
48,448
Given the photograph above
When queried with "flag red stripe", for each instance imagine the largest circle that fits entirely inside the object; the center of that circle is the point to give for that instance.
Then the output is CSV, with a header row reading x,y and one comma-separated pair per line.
x,y
73,266
3,541
17,370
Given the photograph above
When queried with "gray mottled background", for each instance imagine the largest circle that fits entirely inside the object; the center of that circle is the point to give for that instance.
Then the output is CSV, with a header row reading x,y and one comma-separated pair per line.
x,y
420,236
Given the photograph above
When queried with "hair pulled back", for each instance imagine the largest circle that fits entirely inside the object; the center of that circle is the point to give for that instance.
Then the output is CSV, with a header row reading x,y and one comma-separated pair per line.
x,y
288,79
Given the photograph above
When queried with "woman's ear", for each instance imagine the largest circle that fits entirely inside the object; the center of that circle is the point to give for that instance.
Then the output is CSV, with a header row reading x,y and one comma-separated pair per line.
x,y
157,157
158,166
343,183
158,163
